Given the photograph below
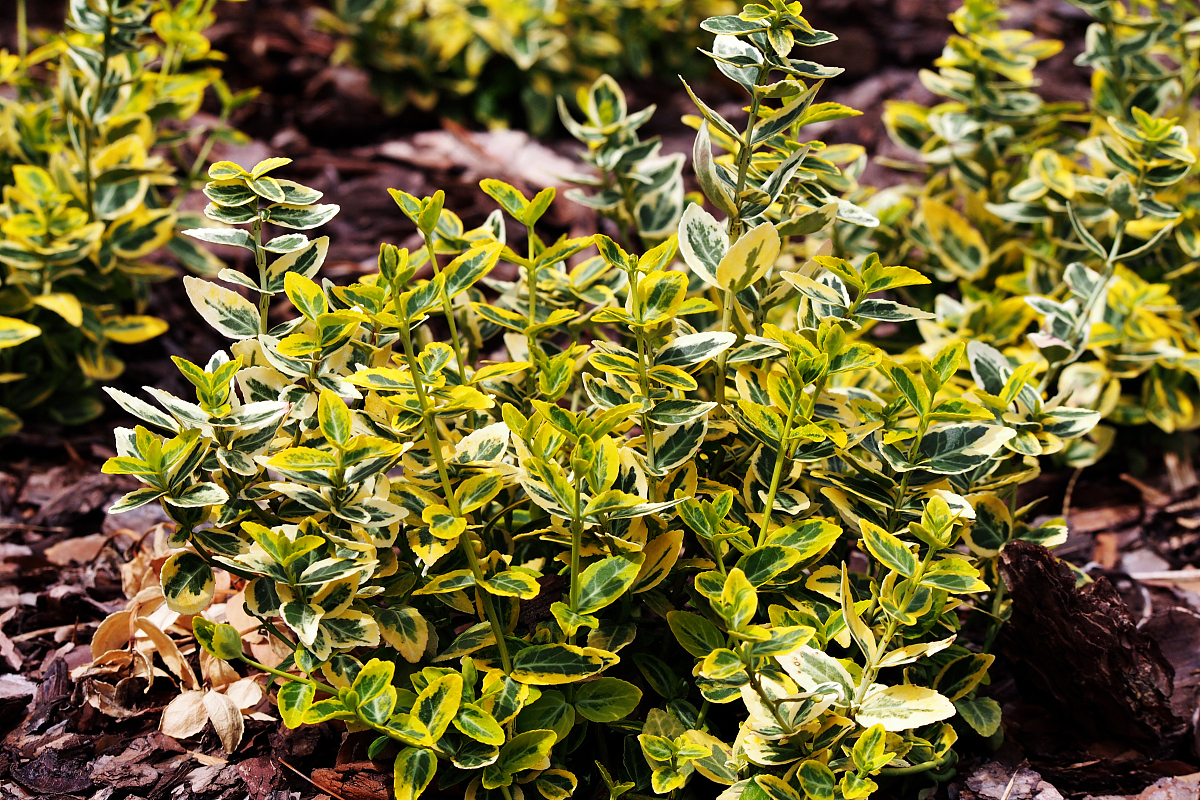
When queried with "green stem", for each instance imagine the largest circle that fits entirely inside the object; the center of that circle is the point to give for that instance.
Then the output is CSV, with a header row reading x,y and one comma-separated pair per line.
x,y
726,322
924,766
701,716
260,261
289,676
769,703
1110,265
576,547
647,425
745,153
898,505
90,126
22,32
781,455
448,310
435,449
633,237
872,670
531,279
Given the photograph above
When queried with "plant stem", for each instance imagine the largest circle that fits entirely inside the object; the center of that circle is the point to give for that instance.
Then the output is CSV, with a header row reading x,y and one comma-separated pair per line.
x,y
871,671
781,455
448,310
22,32
898,505
435,448
726,321
745,153
531,279
647,425
1110,265
260,261
289,676
90,126
576,547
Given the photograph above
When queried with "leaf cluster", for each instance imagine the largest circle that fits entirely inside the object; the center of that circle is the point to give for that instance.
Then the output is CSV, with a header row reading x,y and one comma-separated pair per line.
x,y
651,519
502,62
90,130
1078,219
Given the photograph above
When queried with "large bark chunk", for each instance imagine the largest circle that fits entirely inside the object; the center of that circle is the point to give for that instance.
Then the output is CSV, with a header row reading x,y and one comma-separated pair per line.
x,y
1080,653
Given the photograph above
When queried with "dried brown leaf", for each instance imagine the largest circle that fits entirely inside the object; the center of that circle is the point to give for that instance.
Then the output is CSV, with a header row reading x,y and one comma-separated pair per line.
x,y
169,652
226,719
79,550
113,634
245,693
185,716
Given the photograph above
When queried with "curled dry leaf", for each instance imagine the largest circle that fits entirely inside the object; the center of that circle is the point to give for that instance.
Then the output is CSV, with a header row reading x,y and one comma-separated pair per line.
x,y
226,718
185,716
79,550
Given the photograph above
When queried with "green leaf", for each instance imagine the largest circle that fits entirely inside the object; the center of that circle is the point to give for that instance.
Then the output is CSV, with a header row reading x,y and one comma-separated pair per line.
x,y
554,664
870,751
188,583
512,583
702,243
817,780
335,419
465,271
902,708
298,217
762,564
437,705
228,312
694,348
606,699
233,237
220,641
294,699
888,549
413,772
481,726
749,258
981,713
509,197
525,751
695,633
604,581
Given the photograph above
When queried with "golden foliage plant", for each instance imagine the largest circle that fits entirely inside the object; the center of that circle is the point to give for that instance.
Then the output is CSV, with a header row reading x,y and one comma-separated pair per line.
x,y
90,129
668,521
505,61
1079,218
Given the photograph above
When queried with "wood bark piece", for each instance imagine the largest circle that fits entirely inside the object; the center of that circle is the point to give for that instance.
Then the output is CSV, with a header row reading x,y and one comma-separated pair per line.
x,y
1080,653
996,781
360,780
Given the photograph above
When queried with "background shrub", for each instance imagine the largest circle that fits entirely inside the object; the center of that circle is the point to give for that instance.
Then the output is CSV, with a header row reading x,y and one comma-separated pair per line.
x,y
92,165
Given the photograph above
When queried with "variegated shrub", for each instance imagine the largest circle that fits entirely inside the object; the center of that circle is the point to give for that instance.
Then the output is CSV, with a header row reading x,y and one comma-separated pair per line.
x,y
90,195
503,61
1090,208
664,521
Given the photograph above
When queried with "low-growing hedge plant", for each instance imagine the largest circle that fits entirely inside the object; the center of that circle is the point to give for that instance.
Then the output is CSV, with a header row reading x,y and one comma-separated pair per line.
x,y
503,62
91,128
1019,194
670,521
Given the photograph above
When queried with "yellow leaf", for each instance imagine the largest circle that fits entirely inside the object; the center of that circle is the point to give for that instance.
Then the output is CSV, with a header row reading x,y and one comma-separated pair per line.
x,y
14,332
133,328
750,257
959,246
65,305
